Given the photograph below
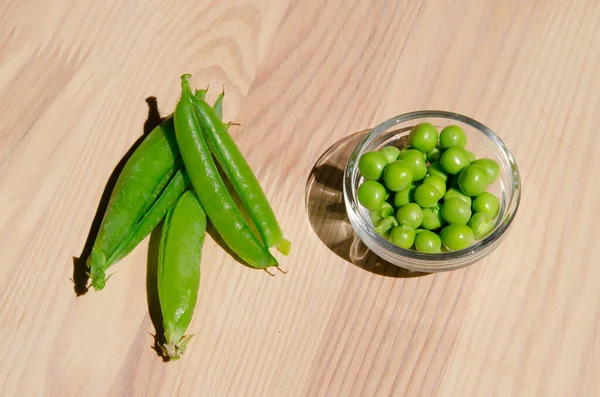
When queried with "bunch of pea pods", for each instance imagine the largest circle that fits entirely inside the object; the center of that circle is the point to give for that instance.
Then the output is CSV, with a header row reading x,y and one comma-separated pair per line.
x,y
172,176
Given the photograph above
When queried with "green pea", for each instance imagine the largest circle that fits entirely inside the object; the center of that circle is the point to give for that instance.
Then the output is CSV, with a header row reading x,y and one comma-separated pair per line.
x,y
423,137
470,155
428,242
378,214
434,154
473,180
417,163
453,136
436,182
457,237
410,214
456,192
397,176
432,217
371,165
490,166
487,203
371,194
454,159
456,211
405,196
481,224
403,236
391,153
436,169
385,225
427,195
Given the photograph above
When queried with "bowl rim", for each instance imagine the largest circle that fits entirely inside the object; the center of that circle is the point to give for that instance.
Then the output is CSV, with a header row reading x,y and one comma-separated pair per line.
x,y
435,259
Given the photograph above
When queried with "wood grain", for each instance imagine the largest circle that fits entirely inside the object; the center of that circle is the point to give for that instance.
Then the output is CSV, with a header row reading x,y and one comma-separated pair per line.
x,y
305,79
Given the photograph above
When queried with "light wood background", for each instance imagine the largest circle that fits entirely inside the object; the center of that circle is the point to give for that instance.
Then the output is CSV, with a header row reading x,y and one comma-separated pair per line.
x,y
302,77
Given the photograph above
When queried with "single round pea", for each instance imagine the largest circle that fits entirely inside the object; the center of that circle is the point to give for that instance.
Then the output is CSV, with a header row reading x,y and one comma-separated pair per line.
x,y
470,155
436,182
453,136
490,166
454,159
487,203
456,211
456,192
436,169
427,195
481,224
403,236
371,194
428,242
397,176
410,214
378,214
371,165
434,154
423,137
457,237
473,180
417,163
391,153
432,217
405,196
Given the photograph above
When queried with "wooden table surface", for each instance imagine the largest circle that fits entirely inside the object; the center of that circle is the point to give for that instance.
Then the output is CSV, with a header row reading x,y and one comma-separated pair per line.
x,y
303,78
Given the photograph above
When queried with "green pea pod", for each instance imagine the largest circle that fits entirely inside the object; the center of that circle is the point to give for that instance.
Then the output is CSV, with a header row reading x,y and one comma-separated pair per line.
x,y
240,174
143,179
209,186
178,273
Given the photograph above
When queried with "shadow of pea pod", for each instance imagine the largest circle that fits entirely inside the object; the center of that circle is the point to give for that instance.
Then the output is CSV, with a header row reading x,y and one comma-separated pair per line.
x,y
80,277
152,290
327,212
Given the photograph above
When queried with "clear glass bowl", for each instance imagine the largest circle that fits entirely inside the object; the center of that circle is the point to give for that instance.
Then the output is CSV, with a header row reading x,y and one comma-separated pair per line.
x,y
482,142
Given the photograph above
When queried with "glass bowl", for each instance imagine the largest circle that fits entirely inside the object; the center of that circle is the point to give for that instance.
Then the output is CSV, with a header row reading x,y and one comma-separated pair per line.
x,y
482,142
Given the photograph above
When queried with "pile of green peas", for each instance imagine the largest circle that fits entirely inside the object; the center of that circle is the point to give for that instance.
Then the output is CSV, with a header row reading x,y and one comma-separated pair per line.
x,y
431,195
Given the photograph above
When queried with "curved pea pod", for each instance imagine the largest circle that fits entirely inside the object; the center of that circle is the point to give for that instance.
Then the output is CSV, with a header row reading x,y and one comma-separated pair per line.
x,y
144,178
178,274
240,174
210,188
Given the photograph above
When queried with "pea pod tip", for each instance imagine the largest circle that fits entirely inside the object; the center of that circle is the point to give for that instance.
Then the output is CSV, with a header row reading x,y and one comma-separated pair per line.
x,y
284,246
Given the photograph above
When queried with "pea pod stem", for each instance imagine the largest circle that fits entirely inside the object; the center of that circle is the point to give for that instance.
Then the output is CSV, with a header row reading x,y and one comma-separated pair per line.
x,y
211,191
240,174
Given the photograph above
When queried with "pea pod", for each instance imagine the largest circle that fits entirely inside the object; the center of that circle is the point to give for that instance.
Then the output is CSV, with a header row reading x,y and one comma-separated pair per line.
x,y
240,174
142,181
178,273
212,193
